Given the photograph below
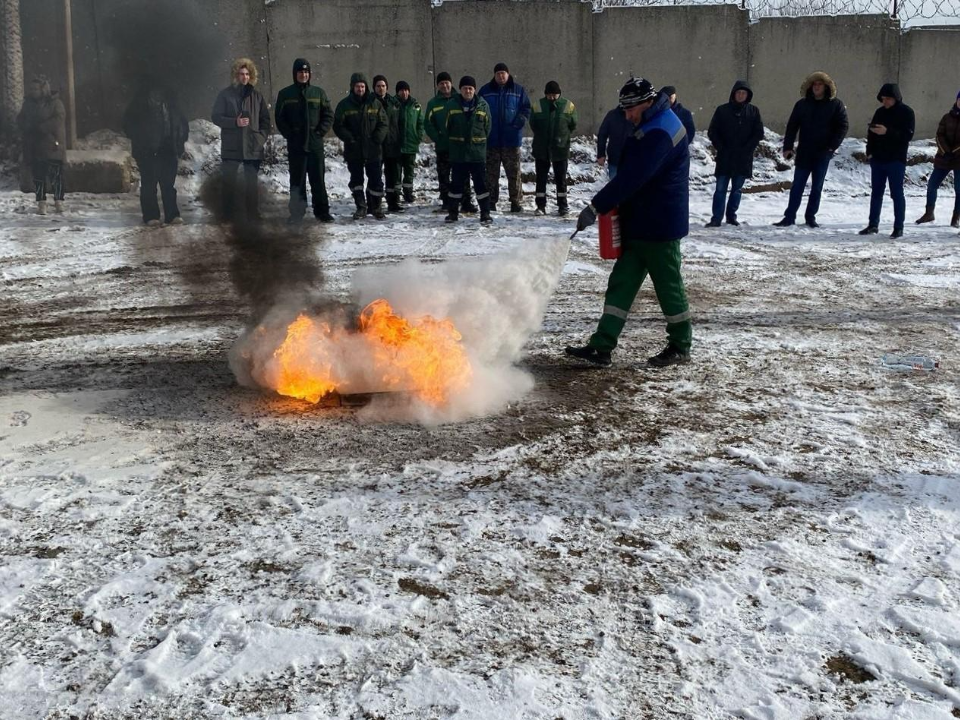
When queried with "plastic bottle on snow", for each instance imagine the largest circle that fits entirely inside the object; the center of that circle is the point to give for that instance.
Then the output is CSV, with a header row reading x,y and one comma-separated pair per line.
x,y
894,361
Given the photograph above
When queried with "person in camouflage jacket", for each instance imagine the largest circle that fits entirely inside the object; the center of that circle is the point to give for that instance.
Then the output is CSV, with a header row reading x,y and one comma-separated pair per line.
x,y
553,120
361,123
468,126
304,115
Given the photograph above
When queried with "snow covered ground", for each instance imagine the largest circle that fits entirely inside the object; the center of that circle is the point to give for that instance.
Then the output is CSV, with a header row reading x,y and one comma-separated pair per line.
x,y
772,531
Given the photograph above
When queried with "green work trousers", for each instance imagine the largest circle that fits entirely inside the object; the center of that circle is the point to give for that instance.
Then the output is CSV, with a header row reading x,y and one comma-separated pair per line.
x,y
661,260
408,165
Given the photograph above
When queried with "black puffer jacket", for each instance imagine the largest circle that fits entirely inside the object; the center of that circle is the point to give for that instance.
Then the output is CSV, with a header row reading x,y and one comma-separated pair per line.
x,y
822,124
735,131
899,121
154,124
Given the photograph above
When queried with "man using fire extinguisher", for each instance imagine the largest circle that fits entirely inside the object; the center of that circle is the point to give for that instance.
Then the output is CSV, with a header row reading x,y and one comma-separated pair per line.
x,y
651,191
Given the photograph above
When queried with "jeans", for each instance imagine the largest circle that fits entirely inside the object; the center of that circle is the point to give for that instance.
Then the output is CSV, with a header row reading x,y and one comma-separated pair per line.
x,y
800,176
882,174
720,196
933,185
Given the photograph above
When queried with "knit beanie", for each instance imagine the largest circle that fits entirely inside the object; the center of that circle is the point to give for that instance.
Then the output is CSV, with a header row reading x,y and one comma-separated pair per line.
x,y
553,88
402,85
635,91
501,67
467,80
668,90
378,78
444,76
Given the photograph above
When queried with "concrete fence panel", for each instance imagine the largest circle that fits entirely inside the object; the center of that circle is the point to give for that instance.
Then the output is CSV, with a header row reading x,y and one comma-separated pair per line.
x,y
540,40
925,55
860,53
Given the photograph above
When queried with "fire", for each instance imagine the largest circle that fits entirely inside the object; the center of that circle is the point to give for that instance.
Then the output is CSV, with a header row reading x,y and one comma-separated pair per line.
x,y
423,356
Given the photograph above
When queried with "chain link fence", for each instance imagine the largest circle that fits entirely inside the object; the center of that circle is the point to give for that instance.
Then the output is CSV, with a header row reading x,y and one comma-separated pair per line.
x,y
909,12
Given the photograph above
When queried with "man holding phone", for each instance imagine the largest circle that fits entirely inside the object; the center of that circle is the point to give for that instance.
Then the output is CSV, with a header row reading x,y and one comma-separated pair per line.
x,y
244,120
888,138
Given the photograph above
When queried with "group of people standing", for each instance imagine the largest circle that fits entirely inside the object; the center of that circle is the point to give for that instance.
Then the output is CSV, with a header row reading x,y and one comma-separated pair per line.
x,y
476,132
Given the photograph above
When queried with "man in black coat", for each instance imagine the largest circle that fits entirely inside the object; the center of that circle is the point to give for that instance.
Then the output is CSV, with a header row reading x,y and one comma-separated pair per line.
x,y
158,132
821,120
735,131
888,138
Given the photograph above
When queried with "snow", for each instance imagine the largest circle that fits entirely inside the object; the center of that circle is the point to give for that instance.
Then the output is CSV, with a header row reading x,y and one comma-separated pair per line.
x,y
769,532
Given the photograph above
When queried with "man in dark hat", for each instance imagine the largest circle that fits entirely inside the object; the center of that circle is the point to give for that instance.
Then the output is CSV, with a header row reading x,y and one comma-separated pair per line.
x,y
652,192
686,117
411,134
304,115
468,125
435,123
510,110
360,122
553,120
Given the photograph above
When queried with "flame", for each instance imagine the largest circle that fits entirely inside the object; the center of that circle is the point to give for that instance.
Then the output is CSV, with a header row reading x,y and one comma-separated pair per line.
x,y
423,356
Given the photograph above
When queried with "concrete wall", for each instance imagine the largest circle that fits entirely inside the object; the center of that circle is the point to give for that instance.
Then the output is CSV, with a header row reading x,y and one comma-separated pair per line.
x,y
700,49
924,55
540,40
339,37
859,52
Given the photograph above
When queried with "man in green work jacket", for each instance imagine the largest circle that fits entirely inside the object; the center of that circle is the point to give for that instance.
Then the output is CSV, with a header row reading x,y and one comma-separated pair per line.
x,y
468,125
553,120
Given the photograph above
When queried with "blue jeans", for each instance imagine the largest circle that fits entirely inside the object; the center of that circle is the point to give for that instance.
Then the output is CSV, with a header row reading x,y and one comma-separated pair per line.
x,y
720,196
882,174
611,170
936,177
800,176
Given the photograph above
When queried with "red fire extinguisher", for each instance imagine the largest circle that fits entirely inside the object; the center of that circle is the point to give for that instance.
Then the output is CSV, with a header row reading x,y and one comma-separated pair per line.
x,y
610,235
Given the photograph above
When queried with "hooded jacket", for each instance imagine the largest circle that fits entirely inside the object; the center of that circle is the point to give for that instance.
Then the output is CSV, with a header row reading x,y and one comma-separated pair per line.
x,y
552,122
42,124
361,123
154,123
948,141
303,114
391,143
509,112
821,124
613,133
242,143
900,123
735,131
652,186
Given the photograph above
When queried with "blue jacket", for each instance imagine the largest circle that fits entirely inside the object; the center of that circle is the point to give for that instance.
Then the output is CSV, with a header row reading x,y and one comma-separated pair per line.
x,y
652,186
509,111
613,133
686,117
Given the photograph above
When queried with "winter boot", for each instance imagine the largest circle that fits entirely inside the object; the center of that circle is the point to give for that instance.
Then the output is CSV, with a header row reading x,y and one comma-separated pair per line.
x,y
453,214
869,230
713,224
733,221
670,355
928,216
485,218
515,207
955,220
812,223
784,223
590,354
378,212
408,195
468,208
563,210
176,221
58,206
361,211
393,202
153,223
41,207
897,233
540,210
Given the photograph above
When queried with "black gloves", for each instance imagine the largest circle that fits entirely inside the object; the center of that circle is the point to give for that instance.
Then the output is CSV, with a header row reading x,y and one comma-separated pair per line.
x,y
587,217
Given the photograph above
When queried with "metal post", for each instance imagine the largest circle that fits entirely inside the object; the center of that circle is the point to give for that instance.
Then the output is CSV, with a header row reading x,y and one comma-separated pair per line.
x,y
71,89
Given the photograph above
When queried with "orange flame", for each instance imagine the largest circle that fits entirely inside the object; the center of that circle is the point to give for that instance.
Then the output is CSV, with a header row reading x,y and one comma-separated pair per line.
x,y
423,356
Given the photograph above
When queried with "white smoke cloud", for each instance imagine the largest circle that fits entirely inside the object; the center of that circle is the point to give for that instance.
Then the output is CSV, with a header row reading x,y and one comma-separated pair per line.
x,y
496,302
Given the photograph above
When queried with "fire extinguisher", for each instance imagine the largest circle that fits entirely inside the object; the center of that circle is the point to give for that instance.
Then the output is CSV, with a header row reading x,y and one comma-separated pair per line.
x,y
610,235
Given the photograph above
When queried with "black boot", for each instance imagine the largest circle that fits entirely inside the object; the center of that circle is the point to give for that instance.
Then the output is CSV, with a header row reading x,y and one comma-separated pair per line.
x,y
869,230
670,355
468,208
361,211
812,222
784,223
563,210
408,195
590,354
485,218
393,203
453,214
897,233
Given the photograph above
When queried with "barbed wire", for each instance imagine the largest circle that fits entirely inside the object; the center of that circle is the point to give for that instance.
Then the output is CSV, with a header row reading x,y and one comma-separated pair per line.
x,y
909,12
